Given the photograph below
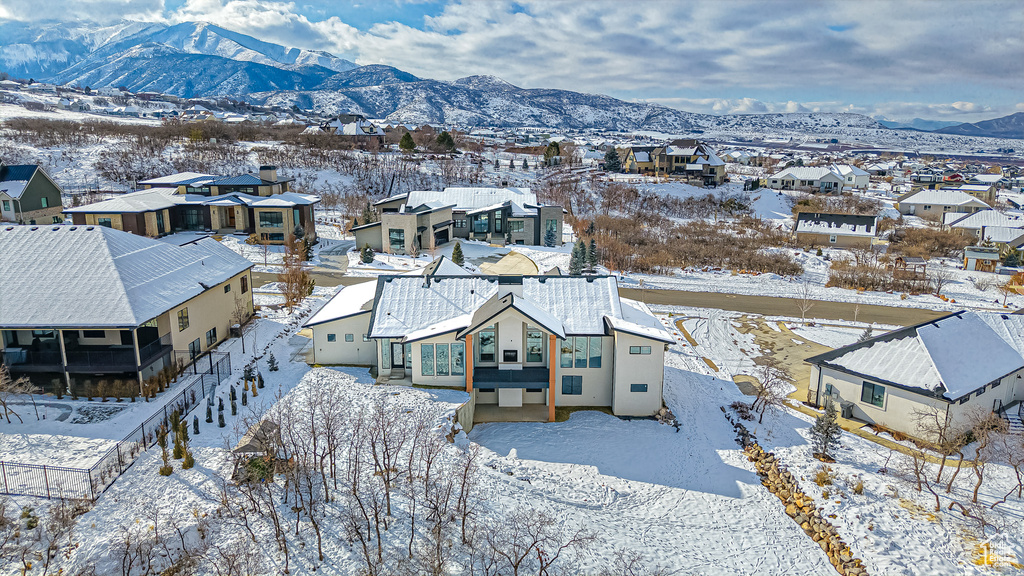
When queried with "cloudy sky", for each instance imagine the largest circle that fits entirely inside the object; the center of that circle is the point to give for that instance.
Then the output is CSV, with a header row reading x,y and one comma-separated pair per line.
x,y
933,59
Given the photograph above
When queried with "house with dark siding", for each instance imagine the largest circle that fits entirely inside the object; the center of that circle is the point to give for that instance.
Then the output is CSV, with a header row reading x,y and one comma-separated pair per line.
x,y
28,195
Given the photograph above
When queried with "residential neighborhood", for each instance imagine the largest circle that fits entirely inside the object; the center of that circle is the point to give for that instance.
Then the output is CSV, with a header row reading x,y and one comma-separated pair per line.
x,y
482,288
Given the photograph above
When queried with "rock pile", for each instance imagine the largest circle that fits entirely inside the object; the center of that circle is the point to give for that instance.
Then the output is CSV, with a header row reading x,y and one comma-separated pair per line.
x,y
799,506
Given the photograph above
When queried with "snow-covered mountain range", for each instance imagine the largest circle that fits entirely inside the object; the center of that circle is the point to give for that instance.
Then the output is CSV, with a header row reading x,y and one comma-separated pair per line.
x,y
199,59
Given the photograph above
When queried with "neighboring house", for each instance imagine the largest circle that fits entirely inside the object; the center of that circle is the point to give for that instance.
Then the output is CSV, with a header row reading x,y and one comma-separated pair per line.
x,y
691,158
852,176
953,365
87,307
1005,238
28,195
487,214
840,230
191,201
806,179
935,203
638,160
996,180
981,258
882,168
984,192
973,224
510,341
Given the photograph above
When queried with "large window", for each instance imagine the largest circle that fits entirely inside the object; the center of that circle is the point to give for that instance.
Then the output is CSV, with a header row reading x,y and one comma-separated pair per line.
x,y
581,352
873,394
7,205
211,337
572,385
497,221
271,219
516,226
480,225
160,228
486,347
427,359
441,360
458,359
104,222
245,284
551,226
192,218
194,349
534,345
182,319
396,240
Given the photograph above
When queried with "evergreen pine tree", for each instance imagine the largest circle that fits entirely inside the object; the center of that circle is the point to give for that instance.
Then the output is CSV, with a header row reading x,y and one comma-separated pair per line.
x,y
611,161
406,143
247,373
220,420
445,141
209,414
457,256
511,164
1012,259
366,255
525,165
161,440
866,335
272,363
259,382
592,255
578,259
179,448
186,453
245,398
549,238
497,165
551,151
368,215
825,432
234,408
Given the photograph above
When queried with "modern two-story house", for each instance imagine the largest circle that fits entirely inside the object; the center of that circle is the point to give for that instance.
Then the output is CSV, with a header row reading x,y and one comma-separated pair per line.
x,y
91,310
510,341
189,201
28,195
494,215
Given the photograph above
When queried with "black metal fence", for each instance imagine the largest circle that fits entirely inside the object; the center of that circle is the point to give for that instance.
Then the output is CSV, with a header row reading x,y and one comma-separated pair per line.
x,y
202,378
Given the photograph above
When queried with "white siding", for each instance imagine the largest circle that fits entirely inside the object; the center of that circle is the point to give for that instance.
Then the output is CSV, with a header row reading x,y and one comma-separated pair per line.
x,y
637,369
340,352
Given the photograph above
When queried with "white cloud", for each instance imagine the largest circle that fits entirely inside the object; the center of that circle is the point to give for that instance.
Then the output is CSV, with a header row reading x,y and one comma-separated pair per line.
x,y
88,10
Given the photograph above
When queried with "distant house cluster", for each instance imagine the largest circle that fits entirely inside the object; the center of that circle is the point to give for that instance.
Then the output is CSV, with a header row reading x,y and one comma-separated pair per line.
x,y
245,204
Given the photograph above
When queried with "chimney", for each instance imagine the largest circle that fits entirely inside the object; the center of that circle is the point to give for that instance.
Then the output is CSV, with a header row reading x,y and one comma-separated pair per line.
x,y
268,173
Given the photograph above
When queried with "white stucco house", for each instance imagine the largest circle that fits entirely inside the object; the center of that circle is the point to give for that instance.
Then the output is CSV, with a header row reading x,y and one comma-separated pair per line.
x,y
807,179
510,341
853,177
954,365
935,203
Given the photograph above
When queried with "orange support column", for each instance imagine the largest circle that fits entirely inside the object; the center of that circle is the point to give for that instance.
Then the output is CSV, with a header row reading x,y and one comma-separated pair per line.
x,y
552,358
469,363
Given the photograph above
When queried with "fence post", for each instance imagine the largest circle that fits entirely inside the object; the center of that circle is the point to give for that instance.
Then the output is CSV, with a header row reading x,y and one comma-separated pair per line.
x,y
211,362
92,491
47,480
120,462
3,470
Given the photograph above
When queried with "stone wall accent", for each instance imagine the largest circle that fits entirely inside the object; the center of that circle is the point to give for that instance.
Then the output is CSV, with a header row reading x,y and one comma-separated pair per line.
x,y
799,506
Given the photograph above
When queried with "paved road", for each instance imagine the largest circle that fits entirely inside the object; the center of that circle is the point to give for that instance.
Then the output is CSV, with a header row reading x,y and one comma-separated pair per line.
x,y
764,305
775,306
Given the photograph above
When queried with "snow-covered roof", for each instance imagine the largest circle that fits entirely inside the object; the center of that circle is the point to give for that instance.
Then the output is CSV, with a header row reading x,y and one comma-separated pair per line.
x,y
944,197
485,314
987,178
93,276
14,179
176,179
407,304
847,170
1005,235
443,266
951,356
1009,327
133,202
471,198
987,218
974,187
349,301
638,319
835,224
804,173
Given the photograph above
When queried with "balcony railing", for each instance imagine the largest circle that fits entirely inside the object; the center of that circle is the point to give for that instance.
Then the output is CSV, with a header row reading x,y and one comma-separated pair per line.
x,y
534,377
24,360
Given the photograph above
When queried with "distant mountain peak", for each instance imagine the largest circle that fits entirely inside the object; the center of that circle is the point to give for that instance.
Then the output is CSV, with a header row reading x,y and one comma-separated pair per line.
x,y
481,81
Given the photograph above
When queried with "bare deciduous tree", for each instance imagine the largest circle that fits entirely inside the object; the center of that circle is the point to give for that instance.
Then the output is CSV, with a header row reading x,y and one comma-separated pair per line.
x,y
11,388
804,302
775,383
